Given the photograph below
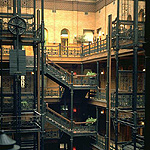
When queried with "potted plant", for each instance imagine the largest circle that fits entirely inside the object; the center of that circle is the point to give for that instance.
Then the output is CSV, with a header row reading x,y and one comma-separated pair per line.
x,y
90,121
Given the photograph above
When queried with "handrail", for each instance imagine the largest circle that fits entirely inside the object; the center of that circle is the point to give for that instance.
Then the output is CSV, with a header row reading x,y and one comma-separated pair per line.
x,y
59,115
71,46
52,46
58,66
84,75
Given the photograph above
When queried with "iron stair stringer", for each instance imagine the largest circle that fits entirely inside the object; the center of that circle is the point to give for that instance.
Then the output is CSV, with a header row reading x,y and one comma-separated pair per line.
x,y
57,74
79,128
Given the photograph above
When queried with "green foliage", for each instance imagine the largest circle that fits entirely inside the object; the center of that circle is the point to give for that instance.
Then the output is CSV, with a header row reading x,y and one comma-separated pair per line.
x,y
80,39
24,103
90,73
91,120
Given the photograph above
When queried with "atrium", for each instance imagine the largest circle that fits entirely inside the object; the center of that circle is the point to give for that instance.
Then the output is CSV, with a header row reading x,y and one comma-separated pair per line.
x,y
74,74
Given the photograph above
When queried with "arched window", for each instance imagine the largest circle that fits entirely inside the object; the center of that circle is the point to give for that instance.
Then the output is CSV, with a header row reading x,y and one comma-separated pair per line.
x,y
64,37
64,33
141,15
45,36
129,18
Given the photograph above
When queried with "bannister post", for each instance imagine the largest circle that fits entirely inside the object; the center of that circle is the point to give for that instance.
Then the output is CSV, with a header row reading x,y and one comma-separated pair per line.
x,y
100,45
97,45
96,124
59,91
59,49
82,70
67,51
82,50
89,48
98,80
71,139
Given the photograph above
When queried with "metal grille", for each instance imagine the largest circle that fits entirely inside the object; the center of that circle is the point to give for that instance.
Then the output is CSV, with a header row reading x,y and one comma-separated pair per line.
x,y
125,81
7,83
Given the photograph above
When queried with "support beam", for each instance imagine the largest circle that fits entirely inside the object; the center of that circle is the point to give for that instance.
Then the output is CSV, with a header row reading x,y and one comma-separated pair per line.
x,y
71,139
38,75
135,73
98,74
108,92
117,76
1,79
147,83
19,7
14,7
42,76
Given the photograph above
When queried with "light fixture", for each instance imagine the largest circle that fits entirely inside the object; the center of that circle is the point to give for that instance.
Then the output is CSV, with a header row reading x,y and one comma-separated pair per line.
x,y
103,33
32,72
102,111
74,110
102,72
143,69
142,123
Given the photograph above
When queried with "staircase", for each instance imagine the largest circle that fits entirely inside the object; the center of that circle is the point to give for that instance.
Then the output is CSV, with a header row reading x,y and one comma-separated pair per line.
x,y
65,78
57,74
64,124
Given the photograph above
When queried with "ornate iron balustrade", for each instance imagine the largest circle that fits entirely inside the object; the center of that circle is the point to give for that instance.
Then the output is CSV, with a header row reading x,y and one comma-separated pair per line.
x,y
59,72
53,51
130,145
78,127
126,33
52,133
94,48
101,95
27,102
84,80
125,100
29,121
70,51
54,91
63,51
58,118
65,77
101,142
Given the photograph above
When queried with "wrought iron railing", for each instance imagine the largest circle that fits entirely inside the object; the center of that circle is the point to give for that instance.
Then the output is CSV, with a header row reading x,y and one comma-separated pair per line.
x,y
27,102
65,77
126,33
84,80
64,122
52,133
125,100
28,121
63,51
58,71
54,91
100,142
